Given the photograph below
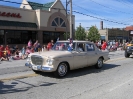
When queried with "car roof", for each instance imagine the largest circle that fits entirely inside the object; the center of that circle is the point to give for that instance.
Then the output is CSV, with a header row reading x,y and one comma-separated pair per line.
x,y
75,41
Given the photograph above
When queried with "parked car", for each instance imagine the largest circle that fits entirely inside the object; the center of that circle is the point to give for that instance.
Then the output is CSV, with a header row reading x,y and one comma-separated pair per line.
x,y
66,56
129,49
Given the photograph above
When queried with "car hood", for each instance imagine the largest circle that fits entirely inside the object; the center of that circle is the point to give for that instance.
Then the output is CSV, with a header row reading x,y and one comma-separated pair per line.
x,y
52,54
130,45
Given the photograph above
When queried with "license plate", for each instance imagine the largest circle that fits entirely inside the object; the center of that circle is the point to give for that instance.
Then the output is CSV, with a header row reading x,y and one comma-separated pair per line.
x,y
34,67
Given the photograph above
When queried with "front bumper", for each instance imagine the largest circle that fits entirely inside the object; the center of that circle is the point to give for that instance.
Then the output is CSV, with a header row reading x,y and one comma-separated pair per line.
x,y
129,51
40,68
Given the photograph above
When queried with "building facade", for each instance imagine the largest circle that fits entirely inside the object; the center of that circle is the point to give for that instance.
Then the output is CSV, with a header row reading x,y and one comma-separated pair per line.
x,y
130,31
114,34
34,21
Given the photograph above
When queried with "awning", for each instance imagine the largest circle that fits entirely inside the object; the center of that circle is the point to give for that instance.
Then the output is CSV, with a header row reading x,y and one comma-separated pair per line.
x,y
17,24
129,28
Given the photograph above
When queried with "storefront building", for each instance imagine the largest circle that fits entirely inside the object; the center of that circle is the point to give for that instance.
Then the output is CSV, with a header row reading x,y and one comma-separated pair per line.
x,y
114,34
130,31
34,21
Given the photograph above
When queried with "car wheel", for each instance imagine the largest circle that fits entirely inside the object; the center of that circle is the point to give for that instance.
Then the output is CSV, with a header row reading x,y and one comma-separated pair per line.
x,y
99,63
61,70
126,54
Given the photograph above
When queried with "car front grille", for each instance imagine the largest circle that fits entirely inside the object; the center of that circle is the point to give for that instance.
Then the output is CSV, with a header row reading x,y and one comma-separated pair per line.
x,y
131,48
36,60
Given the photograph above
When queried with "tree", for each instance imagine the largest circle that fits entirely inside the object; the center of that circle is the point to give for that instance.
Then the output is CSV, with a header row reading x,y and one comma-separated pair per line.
x,y
93,34
66,35
80,33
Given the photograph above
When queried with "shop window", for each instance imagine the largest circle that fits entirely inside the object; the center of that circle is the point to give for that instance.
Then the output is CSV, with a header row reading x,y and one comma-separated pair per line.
x,y
20,37
48,36
1,36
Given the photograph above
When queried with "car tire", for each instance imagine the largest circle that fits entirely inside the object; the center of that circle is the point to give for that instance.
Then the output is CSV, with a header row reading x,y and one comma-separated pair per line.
x,y
99,63
126,54
62,70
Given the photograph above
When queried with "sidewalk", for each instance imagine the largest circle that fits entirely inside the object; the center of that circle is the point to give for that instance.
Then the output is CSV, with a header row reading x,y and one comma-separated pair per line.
x,y
12,63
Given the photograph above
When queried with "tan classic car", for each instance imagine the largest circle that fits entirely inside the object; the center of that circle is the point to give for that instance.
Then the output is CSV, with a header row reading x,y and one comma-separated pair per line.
x,y
66,56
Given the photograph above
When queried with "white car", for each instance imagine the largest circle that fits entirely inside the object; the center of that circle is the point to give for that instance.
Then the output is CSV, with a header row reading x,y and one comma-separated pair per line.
x,y
66,56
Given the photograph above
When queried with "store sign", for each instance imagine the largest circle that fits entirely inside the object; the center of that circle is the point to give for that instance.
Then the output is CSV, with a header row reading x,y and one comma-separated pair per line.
x,y
131,32
9,14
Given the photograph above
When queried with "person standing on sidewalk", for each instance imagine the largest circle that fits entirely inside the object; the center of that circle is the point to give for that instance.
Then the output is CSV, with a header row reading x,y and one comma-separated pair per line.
x,y
30,44
35,46
104,45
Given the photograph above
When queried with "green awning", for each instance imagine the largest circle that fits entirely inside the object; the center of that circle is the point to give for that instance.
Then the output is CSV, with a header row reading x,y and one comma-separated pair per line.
x,y
17,24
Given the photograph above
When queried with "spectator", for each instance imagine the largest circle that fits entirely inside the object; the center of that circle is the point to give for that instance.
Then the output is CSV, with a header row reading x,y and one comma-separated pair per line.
x,y
23,50
28,50
0,51
18,55
39,47
52,42
5,55
49,46
35,46
104,45
8,51
30,44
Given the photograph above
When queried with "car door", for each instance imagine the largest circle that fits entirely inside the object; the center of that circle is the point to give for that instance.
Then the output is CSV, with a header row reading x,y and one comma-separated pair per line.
x,y
80,56
91,55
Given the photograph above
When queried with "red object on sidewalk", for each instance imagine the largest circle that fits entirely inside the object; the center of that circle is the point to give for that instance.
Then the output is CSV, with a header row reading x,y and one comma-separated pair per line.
x,y
104,45
49,46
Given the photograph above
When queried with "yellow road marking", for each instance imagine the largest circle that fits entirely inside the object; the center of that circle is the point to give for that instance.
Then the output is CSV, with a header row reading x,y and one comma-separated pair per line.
x,y
19,77
111,60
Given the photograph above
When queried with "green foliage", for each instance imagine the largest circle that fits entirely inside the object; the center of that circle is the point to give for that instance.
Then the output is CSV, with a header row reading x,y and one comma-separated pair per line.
x,y
93,34
66,35
80,33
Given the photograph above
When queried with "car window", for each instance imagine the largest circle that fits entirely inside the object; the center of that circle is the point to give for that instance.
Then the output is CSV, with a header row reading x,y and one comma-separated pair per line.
x,y
90,47
63,46
81,47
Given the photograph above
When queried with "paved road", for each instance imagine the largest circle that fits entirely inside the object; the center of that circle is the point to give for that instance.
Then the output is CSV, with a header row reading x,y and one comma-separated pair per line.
x,y
113,81
9,69
18,65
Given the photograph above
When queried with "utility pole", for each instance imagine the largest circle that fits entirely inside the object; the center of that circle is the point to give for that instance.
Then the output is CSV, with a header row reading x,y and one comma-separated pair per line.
x,y
66,19
71,27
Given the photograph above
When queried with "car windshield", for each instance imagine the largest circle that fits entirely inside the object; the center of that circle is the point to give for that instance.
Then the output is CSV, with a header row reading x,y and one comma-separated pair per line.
x,y
131,42
63,46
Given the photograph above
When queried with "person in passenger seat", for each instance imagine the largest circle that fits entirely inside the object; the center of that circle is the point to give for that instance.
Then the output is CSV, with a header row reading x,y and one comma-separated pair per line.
x,y
80,47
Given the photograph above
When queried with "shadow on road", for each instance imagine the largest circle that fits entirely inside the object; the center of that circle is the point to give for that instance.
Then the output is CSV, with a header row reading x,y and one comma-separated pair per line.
x,y
5,89
82,71
90,70
13,87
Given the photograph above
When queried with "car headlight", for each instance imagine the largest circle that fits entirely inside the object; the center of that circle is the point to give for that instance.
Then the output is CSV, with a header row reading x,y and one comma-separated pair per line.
x,y
28,59
49,61
128,48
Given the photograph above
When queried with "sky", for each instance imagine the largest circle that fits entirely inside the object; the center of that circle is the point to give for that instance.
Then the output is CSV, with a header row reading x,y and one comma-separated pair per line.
x,y
113,13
